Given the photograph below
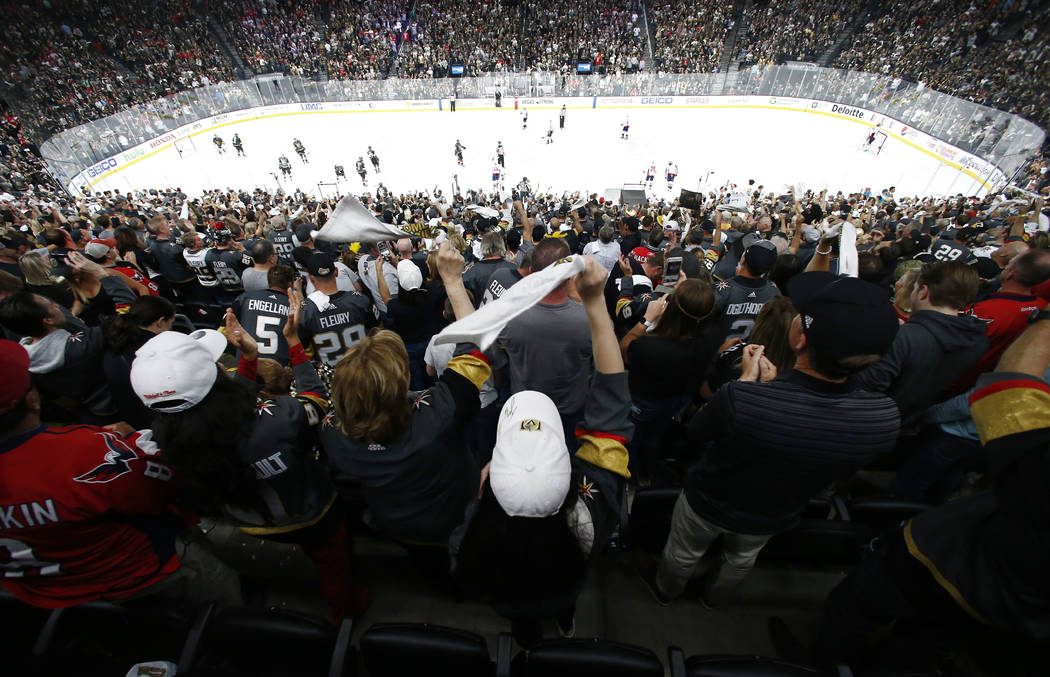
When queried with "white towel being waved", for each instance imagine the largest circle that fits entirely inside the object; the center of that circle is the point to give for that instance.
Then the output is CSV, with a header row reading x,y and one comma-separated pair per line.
x,y
483,326
848,262
352,222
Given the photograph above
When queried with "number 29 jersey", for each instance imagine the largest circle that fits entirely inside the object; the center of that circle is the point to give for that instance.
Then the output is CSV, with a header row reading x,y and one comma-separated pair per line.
x,y
332,324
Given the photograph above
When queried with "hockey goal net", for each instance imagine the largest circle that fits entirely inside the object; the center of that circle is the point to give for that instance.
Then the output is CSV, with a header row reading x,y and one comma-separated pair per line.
x,y
185,146
874,145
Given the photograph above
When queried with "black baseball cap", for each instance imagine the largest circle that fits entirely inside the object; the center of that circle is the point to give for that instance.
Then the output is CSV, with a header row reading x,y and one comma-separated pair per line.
x,y
320,264
302,232
760,257
843,316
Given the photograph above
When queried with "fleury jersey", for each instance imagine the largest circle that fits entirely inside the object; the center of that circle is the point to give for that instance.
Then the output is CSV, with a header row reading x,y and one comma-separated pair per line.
x,y
226,265
197,261
262,313
332,324
739,300
282,246
950,250
294,485
83,516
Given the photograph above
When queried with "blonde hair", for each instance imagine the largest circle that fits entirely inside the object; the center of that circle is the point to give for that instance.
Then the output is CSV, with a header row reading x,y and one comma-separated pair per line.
x,y
457,242
36,267
277,380
370,389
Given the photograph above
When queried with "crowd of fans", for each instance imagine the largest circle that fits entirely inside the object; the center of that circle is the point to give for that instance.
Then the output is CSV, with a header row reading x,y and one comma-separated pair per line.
x,y
793,31
695,347
316,38
689,38
956,47
72,61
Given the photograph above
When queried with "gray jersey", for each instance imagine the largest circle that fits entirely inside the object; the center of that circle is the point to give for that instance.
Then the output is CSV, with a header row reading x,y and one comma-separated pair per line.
x,y
740,299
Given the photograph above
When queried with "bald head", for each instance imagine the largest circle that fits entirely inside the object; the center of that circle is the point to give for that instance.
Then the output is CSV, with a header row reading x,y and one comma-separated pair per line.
x,y
1003,255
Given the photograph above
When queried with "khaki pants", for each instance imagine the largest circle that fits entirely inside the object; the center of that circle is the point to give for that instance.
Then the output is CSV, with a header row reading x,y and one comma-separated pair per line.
x,y
201,576
690,537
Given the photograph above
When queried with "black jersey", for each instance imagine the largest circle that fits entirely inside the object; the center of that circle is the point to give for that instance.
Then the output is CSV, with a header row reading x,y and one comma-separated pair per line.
x,y
283,163
950,250
282,246
740,299
262,313
226,265
360,167
299,148
332,324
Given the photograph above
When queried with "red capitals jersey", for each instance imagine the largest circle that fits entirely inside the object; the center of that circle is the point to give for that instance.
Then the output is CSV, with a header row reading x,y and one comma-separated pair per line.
x,y
1007,318
83,516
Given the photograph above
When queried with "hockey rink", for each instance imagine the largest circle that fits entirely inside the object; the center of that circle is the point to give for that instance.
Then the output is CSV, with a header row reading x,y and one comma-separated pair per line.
x,y
711,146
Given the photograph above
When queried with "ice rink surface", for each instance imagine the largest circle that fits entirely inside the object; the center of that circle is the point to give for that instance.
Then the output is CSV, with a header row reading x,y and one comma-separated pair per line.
x,y
711,146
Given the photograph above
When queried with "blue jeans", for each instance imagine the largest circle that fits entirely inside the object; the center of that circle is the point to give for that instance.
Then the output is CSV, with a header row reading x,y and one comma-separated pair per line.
x,y
417,368
653,438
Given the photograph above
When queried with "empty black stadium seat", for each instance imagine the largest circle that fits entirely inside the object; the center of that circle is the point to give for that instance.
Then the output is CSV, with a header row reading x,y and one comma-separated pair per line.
x,y
586,658
883,513
100,638
724,665
819,542
650,520
262,643
22,625
409,649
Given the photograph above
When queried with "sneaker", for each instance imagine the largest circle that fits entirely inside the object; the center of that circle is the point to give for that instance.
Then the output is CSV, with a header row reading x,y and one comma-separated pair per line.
x,y
569,632
654,590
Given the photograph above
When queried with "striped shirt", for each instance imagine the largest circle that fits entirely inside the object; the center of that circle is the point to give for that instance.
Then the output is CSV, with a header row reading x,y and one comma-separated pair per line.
x,y
777,444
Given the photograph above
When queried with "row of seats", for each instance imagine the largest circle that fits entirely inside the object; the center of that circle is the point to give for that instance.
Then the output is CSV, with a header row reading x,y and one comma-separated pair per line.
x,y
99,638
832,531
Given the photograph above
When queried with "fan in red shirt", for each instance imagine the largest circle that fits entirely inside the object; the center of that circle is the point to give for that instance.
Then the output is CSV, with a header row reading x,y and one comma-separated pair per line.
x,y
1007,310
84,511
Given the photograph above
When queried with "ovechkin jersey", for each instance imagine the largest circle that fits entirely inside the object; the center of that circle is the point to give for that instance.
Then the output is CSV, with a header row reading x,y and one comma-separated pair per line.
x,y
83,516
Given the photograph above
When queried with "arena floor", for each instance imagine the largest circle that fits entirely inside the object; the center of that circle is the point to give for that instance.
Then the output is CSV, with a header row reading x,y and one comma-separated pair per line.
x,y
776,147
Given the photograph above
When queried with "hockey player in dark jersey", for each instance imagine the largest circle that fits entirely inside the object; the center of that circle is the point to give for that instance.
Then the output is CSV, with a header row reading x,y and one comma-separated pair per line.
x,y
361,171
459,152
740,298
285,166
237,145
300,149
333,320
226,260
499,154
245,453
217,140
340,172
374,158
262,313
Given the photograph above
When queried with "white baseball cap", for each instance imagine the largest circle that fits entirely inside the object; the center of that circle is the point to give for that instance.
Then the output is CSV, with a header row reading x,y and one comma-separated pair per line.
x,y
408,275
173,372
530,471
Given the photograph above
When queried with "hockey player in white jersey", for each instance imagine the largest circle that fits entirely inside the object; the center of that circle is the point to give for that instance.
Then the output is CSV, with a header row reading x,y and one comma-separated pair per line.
x,y
497,177
671,172
650,175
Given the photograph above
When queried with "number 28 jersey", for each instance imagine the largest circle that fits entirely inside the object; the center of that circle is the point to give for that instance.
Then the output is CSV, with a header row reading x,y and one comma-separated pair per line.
x,y
332,324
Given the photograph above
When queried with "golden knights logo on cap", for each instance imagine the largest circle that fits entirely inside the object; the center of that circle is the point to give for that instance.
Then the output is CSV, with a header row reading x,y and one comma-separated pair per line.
x,y
531,424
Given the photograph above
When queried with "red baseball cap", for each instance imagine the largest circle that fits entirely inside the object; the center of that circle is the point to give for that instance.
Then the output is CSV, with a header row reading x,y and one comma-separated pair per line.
x,y
14,367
